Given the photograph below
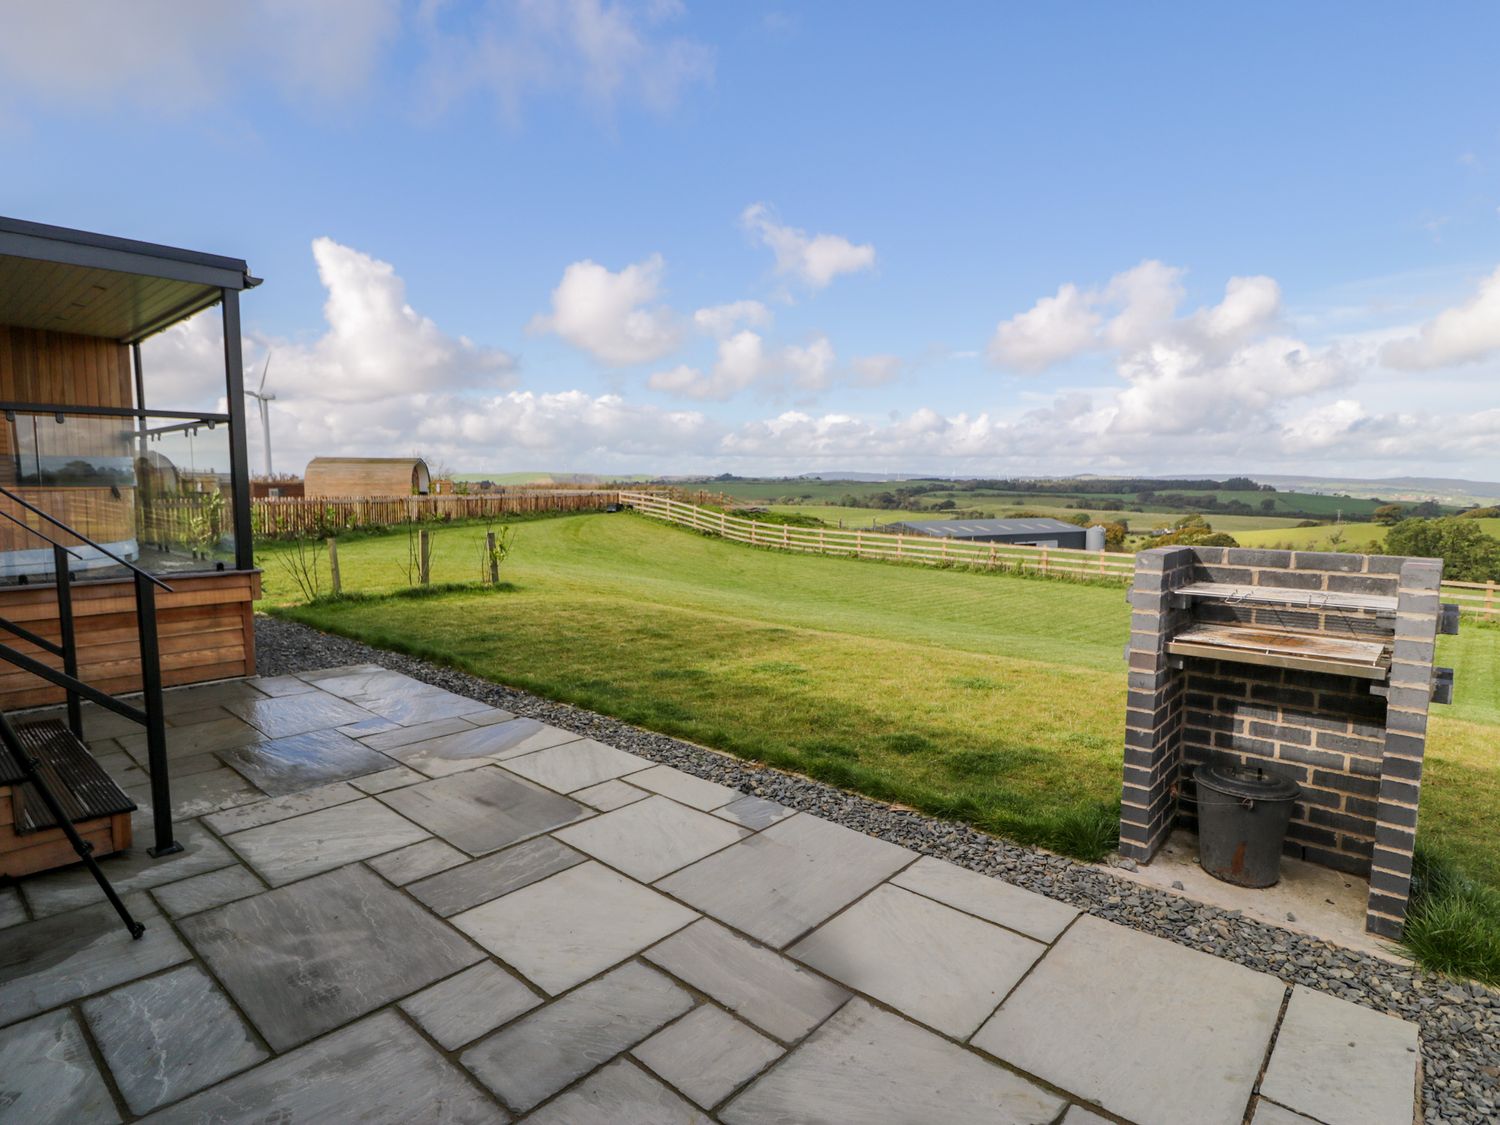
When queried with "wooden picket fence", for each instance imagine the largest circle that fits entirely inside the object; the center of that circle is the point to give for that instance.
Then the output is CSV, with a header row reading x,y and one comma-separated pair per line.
x,y
299,517
858,543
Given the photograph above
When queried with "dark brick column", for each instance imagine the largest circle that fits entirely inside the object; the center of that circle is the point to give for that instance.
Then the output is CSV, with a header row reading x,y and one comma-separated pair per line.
x,y
1154,705
1406,737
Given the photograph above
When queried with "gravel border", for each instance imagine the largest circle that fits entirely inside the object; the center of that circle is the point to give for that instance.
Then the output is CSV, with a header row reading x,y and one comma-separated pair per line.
x,y
1460,1022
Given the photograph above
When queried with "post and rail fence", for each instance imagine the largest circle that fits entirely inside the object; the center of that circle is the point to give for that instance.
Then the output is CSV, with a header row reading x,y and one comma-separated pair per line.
x,y
1476,599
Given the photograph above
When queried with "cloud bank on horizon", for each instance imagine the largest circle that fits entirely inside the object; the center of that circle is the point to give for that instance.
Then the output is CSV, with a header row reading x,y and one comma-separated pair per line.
x,y
726,263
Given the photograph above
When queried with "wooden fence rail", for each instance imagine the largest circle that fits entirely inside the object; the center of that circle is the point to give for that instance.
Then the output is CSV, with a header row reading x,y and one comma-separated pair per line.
x,y
859,543
315,517
1477,599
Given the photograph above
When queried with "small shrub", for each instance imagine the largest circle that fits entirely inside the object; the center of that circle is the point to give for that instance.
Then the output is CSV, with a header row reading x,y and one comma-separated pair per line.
x,y
1088,832
1452,923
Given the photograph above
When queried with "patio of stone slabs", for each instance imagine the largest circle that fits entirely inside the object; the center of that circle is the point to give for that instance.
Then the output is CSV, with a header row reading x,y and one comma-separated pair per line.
x,y
399,904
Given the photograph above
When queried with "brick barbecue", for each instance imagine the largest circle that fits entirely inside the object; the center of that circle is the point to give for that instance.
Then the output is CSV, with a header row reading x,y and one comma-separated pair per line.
x,y
1311,665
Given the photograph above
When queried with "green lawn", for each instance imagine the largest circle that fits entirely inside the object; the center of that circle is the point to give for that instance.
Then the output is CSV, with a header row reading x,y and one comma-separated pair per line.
x,y
991,698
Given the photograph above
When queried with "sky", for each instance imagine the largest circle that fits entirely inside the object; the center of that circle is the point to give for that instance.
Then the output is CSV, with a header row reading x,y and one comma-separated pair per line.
x,y
766,238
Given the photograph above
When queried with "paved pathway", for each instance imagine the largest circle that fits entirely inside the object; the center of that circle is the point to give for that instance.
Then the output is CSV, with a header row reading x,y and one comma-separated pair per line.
x,y
398,904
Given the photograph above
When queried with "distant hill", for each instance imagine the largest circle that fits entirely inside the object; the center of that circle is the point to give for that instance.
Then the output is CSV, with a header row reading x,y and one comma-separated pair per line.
x,y
1447,490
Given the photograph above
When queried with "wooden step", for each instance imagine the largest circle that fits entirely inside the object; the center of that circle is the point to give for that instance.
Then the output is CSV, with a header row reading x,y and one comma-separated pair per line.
x,y
80,784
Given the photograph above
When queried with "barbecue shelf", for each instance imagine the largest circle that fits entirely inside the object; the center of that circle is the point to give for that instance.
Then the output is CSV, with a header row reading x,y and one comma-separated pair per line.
x,y
1276,648
1277,595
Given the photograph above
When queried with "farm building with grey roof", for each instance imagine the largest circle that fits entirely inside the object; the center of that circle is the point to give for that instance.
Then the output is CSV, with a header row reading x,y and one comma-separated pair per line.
x,y
1038,532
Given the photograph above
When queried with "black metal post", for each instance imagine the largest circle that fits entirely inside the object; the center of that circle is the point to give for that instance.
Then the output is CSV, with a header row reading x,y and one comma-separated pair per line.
x,y
156,723
239,457
67,636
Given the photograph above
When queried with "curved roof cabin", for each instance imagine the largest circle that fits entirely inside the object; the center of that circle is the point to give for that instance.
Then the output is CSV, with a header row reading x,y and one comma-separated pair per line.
x,y
366,477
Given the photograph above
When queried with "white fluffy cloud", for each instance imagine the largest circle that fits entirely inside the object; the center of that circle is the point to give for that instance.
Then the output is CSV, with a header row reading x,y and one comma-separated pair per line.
x,y
740,362
607,315
722,320
813,259
743,361
171,54
180,55
609,52
1468,332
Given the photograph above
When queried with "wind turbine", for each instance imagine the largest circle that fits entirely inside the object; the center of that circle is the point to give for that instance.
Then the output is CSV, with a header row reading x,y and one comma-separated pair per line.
x,y
263,400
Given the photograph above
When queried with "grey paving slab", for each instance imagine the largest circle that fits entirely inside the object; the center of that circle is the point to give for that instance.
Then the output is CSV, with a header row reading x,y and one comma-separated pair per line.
x,y
489,715
1267,1113
280,685
1002,903
12,912
651,838
570,926
304,761
542,1052
378,1071
707,1054
198,738
130,870
176,701
297,714
873,1067
576,765
320,841
56,960
366,727
280,808
775,994
467,749
169,1036
318,675
610,795
386,780
204,892
370,680
620,1094
302,959
1110,1010
206,714
48,1077
421,706
754,813
484,810
1343,1064
930,962
1079,1115
684,787
186,767
462,888
205,792
418,861
780,883
392,735
476,1001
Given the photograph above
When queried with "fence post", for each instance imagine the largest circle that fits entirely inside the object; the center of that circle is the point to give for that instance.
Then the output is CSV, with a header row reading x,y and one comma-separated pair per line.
x,y
859,544
492,557
1489,598
333,566
992,557
1044,560
424,556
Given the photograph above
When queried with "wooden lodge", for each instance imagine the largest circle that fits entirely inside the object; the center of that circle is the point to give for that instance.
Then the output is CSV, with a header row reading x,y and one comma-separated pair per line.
x,y
366,477
162,487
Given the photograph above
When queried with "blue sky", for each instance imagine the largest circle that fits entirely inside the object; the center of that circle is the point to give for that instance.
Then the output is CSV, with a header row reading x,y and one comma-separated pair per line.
x,y
955,238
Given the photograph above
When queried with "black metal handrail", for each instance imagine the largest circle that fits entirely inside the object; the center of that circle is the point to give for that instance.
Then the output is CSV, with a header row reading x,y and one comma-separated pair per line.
x,y
150,714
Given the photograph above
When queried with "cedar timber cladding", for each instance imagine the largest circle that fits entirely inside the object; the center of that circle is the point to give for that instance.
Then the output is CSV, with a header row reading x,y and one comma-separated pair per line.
x,y
206,626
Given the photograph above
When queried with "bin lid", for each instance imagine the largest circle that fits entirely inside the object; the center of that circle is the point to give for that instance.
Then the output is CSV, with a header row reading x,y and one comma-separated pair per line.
x,y
1250,784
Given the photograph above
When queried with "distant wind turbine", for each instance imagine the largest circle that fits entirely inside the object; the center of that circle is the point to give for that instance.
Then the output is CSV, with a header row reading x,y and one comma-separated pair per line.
x,y
263,400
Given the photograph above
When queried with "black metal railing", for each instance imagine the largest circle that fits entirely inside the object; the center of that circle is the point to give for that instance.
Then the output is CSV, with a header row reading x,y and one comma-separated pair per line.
x,y
149,714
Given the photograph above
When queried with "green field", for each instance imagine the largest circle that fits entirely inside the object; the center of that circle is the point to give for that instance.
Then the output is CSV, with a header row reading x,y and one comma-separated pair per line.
x,y
990,698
